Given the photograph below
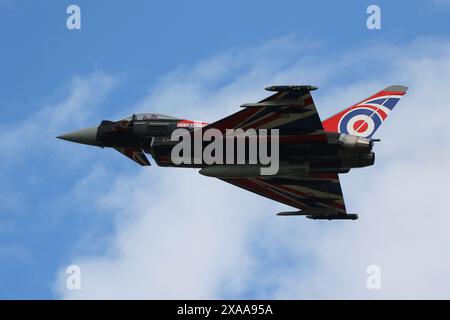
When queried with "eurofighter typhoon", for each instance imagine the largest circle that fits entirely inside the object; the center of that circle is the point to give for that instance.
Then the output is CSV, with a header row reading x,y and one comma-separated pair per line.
x,y
310,153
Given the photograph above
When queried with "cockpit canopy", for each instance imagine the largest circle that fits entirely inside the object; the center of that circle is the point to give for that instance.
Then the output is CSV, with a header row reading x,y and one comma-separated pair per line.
x,y
149,116
152,116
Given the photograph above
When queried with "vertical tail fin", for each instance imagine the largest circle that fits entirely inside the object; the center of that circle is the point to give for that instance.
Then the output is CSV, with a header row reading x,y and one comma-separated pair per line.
x,y
365,117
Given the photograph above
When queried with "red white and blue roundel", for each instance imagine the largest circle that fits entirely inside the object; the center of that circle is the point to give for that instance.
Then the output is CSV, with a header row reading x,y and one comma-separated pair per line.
x,y
364,118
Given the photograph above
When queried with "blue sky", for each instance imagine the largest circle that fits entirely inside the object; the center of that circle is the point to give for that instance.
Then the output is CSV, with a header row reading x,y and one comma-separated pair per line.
x,y
59,201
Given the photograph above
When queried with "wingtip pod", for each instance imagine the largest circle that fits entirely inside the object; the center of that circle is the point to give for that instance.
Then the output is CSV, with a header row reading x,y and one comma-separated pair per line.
x,y
348,216
320,214
285,88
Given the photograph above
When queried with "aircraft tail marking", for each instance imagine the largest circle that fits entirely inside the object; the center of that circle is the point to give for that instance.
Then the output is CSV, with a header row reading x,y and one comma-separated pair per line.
x,y
365,117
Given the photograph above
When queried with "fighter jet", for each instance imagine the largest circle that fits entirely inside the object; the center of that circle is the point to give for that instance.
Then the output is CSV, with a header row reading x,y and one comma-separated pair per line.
x,y
312,153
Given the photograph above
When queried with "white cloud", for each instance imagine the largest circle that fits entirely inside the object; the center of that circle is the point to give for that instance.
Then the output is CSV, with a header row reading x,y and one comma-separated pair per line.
x,y
29,148
172,242
180,235
78,102
441,3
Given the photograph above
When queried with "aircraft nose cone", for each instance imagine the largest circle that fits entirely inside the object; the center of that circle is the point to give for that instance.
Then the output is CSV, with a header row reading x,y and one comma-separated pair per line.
x,y
84,136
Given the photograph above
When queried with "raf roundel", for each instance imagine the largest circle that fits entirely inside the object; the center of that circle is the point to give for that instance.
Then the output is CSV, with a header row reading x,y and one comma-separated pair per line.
x,y
364,119
360,122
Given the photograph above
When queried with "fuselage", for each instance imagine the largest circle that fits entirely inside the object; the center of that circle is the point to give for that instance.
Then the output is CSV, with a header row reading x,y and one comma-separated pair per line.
x,y
153,134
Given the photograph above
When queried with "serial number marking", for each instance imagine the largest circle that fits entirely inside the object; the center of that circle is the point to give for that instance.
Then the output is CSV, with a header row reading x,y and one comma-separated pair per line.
x,y
259,309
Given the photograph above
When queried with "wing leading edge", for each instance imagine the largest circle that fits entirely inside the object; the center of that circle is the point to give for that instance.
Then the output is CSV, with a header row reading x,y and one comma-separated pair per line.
x,y
292,111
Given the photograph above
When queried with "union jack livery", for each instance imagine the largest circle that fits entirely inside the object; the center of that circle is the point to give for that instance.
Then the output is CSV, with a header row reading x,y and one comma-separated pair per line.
x,y
310,153
365,117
